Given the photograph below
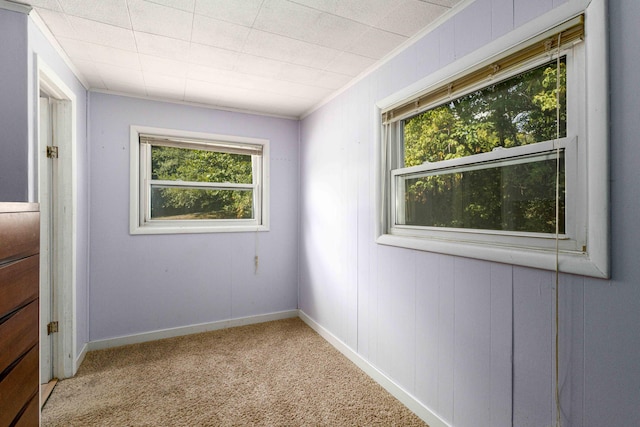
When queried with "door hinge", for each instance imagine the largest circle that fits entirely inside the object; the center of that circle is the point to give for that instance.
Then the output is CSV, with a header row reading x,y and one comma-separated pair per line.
x,y
52,151
52,328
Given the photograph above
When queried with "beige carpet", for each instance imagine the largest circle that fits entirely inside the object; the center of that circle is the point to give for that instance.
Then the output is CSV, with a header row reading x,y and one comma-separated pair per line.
x,y
272,374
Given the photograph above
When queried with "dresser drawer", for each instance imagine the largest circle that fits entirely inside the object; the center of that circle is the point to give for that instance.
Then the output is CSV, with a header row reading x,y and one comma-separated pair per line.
x,y
18,334
17,388
18,284
19,235
31,415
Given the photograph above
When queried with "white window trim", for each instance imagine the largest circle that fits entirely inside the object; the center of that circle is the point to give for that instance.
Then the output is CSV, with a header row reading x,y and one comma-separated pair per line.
x,y
137,201
593,224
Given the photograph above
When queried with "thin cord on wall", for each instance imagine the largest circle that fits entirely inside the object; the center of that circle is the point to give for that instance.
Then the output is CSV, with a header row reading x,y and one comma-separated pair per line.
x,y
557,293
255,257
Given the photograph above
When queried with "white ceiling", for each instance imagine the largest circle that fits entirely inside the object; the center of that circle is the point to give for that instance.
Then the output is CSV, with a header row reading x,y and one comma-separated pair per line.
x,y
280,57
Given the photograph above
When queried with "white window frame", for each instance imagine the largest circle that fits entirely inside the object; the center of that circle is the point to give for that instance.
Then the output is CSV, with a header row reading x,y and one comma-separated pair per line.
x,y
141,182
584,247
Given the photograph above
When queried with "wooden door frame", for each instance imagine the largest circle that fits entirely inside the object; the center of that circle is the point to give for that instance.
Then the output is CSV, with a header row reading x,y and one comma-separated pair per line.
x,y
65,226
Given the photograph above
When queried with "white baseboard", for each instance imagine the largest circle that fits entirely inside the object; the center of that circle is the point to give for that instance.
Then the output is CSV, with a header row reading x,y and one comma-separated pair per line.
x,y
406,398
187,330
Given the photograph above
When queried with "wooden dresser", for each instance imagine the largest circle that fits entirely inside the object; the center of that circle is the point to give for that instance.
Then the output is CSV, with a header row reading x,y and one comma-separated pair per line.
x,y
19,328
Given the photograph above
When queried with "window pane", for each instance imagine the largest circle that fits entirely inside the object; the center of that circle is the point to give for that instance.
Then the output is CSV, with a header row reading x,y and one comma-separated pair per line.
x,y
170,203
183,164
518,111
515,196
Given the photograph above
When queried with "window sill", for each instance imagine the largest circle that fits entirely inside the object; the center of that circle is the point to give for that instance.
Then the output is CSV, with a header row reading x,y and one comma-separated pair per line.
x,y
583,263
183,229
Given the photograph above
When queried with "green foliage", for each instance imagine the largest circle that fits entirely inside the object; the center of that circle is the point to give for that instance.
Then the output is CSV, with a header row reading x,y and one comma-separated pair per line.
x,y
188,165
518,111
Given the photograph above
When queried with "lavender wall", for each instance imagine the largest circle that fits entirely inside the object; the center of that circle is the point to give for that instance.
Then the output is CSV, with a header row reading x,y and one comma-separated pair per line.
x,y
612,309
14,125
145,283
472,340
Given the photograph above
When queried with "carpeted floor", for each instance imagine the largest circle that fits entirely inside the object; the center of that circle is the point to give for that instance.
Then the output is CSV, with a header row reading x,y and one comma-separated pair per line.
x,y
272,374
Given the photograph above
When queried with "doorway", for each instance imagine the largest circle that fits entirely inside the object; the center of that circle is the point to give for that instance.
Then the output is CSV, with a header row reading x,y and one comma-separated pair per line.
x,y
55,141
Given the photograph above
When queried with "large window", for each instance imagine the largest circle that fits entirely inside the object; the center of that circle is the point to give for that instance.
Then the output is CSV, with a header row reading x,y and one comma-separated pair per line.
x,y
187,182
510,190
496,161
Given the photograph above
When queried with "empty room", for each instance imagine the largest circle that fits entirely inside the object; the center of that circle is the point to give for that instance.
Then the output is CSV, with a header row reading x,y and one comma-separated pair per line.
x,y
319,212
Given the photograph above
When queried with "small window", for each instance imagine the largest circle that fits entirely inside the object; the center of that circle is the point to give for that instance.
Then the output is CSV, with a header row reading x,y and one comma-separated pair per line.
x,y
505,159
190,182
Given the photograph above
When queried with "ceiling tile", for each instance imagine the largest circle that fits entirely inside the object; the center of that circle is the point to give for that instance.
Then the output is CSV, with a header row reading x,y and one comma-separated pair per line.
x,y
333,80
447,3
186,5
110,55
245,99
58,23
367,12
299,74
216,94
90,72
284,17
273,46
122,79
126,88
158,80
307,24
313,76
350,64
212,56
86,66
112,73
239,12
265,84
280,104
75,49
218,33
44,4
112,12
165,47
225,77
411,17
102,34
164,66
296,90
376,43
251,64
208,74
161,20
322,5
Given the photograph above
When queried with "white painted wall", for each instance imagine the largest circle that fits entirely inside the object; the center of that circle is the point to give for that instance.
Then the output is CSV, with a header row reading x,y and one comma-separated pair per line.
x,y
472,340
145,283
